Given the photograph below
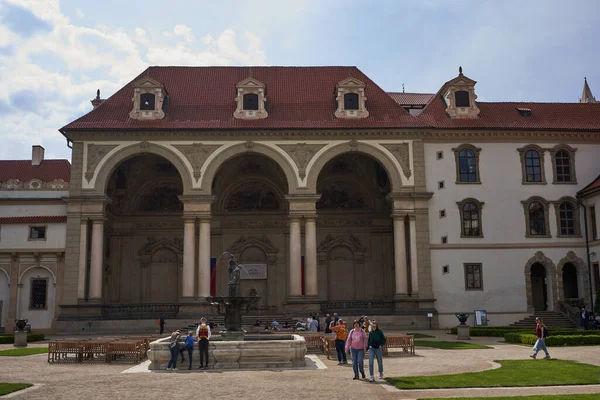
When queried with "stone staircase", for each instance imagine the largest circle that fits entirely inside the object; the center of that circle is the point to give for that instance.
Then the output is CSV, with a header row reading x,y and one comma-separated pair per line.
x,y
249,320
550,318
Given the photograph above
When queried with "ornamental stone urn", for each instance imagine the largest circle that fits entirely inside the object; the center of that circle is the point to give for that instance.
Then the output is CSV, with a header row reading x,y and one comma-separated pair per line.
x,y
462,330
20,334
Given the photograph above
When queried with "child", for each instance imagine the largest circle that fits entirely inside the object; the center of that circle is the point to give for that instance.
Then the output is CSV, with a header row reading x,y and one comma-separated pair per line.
x,y
189,346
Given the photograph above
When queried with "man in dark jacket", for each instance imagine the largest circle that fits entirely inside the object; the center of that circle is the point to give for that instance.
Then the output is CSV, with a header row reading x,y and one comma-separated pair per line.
x,y
327,323
161,322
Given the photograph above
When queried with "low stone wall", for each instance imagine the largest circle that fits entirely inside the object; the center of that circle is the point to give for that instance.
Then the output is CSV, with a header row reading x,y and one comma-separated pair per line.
x,y
256,352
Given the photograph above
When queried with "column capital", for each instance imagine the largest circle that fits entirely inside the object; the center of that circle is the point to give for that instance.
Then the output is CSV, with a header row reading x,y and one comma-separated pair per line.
x,y
303,204
98,219
189,218
196,205
412,216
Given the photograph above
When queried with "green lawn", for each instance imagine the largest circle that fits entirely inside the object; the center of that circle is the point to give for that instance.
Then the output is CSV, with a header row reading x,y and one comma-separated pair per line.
x,y
512,373
6,388
538,397
420,335
450,345
28,351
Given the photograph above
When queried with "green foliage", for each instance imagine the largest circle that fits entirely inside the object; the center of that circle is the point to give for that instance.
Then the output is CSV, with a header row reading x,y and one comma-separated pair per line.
x,y
31,337
420,336
582,338
512,373
597,308
450,345
501,331
28,351
6,388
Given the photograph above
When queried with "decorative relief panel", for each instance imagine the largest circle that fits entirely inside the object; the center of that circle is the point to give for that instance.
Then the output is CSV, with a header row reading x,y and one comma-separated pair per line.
x,y
95,153
341,196
196,153
157,225
252,196
301,153
402,153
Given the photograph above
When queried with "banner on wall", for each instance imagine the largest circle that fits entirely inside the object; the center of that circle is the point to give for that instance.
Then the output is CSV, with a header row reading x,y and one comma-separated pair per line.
x,y
253,271
481,318
213,276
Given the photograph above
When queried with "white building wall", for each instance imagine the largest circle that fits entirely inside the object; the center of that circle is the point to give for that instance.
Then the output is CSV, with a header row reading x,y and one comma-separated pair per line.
x,y
32,210
503,225
16,236
38,319
4,298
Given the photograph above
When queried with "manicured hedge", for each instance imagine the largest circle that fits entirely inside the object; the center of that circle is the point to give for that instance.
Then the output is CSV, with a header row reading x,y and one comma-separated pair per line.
x,y
555,340
31,337
500,331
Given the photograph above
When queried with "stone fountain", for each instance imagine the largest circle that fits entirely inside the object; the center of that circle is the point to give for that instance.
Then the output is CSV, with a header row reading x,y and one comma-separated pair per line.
x,y
233,348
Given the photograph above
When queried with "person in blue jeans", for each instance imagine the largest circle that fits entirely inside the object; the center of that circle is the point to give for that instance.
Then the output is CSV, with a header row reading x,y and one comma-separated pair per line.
x,y
357,343
540,332
189,346
174,349
376,342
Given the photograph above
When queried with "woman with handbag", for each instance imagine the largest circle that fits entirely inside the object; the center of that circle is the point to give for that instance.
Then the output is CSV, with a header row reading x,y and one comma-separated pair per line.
x,y
357,344
376,343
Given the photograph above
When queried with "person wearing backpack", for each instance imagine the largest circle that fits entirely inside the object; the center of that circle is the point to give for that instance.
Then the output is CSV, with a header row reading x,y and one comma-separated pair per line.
x,y
203,334
541,332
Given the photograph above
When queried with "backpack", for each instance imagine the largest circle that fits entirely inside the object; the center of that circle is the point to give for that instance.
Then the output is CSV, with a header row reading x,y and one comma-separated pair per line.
x,y
545,333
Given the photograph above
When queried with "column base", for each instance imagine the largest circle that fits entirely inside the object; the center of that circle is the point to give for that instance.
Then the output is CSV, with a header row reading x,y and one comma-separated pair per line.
x,y
304,304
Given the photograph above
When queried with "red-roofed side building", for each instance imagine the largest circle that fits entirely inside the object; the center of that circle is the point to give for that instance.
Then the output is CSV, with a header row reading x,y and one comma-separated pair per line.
x,y
590,199
33,228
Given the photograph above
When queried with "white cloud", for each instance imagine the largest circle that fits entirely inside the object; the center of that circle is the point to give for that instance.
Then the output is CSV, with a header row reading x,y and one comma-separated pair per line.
x,y
87,58
79,13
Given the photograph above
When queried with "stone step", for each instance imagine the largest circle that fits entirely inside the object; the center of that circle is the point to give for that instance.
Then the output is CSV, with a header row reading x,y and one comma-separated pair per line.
x,y
550,318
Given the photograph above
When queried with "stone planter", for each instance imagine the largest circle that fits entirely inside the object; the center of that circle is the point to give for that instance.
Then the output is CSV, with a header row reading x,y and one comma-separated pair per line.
x,y
463,332
20,339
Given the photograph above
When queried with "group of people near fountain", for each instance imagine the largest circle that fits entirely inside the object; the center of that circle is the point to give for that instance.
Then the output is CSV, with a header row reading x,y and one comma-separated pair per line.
x,y
364,338
201,336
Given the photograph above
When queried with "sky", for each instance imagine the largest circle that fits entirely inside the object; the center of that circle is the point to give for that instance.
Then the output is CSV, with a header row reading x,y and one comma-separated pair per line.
x,y
55,54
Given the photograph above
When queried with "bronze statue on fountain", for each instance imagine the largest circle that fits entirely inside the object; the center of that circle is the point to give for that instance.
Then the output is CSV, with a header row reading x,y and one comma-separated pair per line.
x,y
233,305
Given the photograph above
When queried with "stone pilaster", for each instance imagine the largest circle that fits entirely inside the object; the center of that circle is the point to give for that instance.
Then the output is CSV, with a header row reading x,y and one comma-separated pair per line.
x,y
97,257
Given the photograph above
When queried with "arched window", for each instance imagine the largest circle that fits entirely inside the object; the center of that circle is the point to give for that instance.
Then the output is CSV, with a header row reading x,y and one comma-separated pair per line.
x,y
250,101
147,101
533,166
537,219
470,218
351,101
467,164
462,98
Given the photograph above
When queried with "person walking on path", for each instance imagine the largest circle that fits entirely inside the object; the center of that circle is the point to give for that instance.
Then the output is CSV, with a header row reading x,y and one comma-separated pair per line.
x,y
357,343
174,349
376,342
340,339
541,332
189,346
161,323
203,335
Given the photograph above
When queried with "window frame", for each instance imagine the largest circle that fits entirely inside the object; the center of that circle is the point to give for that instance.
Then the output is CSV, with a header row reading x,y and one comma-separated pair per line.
x,y
476,151
142,95
255,96
576,217
546,204
37,226
571,152
456,98
522,153
354,95
593,224
480,266
31,294
479,205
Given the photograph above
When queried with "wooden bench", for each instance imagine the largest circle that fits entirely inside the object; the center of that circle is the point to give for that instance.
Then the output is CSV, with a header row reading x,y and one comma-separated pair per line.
x,y
104,350
404,342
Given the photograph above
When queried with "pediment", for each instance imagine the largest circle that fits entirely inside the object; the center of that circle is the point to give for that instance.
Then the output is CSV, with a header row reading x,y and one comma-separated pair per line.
x,y
147,82
263,243
462,80
250,82
349,241
351,82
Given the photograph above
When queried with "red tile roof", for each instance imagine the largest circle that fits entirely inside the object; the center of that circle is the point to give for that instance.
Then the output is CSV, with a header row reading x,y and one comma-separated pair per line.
x,y
203,98
33,220
544,116
592,187
47,171
411,99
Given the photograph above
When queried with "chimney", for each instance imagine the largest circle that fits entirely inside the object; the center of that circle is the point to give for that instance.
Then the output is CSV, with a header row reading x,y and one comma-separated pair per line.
x,y
97,101
37,155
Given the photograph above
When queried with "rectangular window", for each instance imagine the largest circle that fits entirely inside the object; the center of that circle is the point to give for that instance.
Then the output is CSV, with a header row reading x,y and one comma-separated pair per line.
x,y
440,155
445,269
444,239
442,213
473,279
593,222
37,232
39,294
440,184
596,269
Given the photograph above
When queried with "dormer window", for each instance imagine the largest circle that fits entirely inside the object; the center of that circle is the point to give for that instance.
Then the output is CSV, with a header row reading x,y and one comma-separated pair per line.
x,y
251,99
148,99
460,97
351,99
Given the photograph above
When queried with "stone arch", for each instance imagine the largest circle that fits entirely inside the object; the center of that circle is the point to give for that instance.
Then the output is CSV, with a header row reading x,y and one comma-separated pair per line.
x,y
220,157
552,287
221,204
146,260
5,273
349,243
105,170
583,282
317,164
52,274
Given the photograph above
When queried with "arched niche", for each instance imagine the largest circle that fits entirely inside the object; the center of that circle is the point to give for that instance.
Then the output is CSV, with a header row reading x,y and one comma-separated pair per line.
x,y
342,254
161,263
583,282
551,283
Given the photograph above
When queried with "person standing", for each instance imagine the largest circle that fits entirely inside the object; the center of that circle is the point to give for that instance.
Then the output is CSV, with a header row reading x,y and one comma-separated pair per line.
x,y
174,349
376,342
541,332
340,339
328,321
584,319
357,343
161,323
336,318
316,318
189,346
203,335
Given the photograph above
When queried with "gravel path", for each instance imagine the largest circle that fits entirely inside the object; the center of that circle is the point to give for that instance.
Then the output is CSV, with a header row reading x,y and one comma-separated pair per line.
x,y
104,381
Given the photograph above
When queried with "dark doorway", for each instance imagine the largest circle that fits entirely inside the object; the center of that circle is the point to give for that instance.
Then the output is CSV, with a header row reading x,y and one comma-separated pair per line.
x,y
539,294
596,268
570,281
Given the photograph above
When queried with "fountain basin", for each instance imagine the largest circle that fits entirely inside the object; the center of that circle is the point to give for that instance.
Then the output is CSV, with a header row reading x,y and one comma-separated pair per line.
x,y
254,352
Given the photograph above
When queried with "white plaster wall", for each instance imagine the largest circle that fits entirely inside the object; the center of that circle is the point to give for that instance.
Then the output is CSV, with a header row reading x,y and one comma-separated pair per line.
x,y
38,319
4,297
33,210
503,218
15,236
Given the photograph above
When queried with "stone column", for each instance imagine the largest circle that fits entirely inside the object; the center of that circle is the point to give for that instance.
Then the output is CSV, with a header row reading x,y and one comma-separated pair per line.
x,y
414,269
295,257
189,255
82,277
204,258
311,256
400,256
96,268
